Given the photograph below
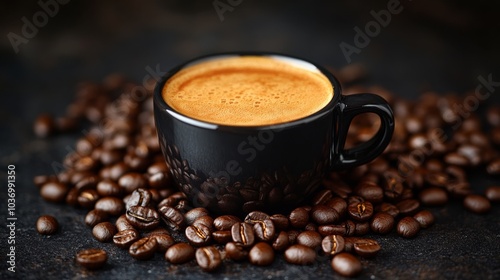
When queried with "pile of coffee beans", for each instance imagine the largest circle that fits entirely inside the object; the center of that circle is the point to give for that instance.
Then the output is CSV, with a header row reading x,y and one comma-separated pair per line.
x,y
118,173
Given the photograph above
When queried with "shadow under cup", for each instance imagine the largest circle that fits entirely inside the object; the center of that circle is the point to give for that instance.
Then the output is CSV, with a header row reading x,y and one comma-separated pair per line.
x,y
272,168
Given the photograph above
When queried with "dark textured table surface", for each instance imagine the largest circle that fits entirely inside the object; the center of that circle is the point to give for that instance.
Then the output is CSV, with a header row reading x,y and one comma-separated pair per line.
x,y
426,46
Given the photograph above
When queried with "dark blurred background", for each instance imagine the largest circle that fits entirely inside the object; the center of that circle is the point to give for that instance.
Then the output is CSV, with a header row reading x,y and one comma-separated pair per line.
x,y
430,45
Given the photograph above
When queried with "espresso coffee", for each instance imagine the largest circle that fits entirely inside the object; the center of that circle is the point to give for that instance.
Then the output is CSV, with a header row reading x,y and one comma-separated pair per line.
x,y
248,91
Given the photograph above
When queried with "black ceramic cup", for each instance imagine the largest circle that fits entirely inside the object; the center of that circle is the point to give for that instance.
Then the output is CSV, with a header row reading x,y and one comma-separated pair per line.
x,y
238,169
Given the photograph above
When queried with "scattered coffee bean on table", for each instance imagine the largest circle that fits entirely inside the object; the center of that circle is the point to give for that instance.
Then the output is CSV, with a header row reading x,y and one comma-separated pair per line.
x,y
47,225
118,171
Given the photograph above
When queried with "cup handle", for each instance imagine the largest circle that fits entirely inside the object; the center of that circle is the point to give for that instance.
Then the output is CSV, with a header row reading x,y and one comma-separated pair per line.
x,y
349,107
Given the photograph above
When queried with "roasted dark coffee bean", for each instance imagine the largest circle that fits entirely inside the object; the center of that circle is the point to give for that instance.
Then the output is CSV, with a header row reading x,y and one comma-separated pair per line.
x,y
346,265
122,223
172,217
208,258
180,253
408,227
104,231
139,197
255,217
143,217
206,221
88,198
41,180
264,230
94,217
54,191
164,241
222,236
235,251
322,197
300,255
243,233
159,180
92,258
456,159
370,192
349,243
198,235
392,185
362,228
493,116
424,218
44,126
132,181
281,242
361,211
477,204
299,217
144,248
125,238
366,247
433,196
408,206
87,183
438,179
493,167
493,193
339,204
108,157
345,229
388,208
108,188
355,199
333,244
110,205
309,238
322,215
311,226
382,223
225,222
292,236
194,214
261,254
47,225
280,222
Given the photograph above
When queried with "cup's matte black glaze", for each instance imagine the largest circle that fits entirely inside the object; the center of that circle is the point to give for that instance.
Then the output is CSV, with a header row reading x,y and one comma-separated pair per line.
x,y
231,169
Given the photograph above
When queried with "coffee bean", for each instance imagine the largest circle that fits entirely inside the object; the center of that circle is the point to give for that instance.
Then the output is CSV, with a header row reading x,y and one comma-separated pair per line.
x,y
346,265
44,126
180,253
122,223
281,242
382,223
243,233
88,198
225,222
408,206
208,258
477,204
408,227
299,217
159,180
322,197
493,193
261,254
264,229
300,255
339,204
280,222
125,238
345,229
164,241
143,248
139,197
493,167
309,238
110,205
198,235
456,159
370,192
47,225
256,217
361,211
311,226
424,218
132,181
493,116
94,217
54,191
194,214
323,215
433,196
389,209
104,231
222,236
143,217
366,247
362,228
92,258
349,243
235,251
333,244
172,217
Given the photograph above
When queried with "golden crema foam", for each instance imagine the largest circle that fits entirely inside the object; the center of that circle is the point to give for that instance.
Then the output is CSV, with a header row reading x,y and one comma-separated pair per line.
x,y
247,91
